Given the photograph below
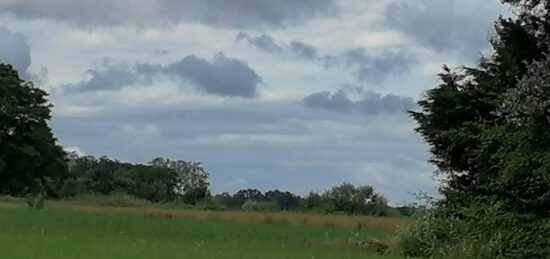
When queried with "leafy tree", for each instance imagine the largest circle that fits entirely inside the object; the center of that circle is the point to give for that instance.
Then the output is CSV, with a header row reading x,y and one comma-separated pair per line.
x,y
315,202
470,134
195,195
487,127
188,175
30,159
286,200
106,177
225,199
353,200
245,195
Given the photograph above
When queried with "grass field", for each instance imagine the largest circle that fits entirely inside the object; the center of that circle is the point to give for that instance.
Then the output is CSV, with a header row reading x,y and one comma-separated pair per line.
x,y
68,230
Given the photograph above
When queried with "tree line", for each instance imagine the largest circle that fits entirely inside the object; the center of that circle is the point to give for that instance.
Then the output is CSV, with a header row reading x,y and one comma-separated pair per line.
x,y
180,182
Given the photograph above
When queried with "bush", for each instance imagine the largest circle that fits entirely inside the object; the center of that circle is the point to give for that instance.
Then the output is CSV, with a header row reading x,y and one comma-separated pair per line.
x,y
383,211
481,231
36,202
115,200
195,195
270,206
72,187
210,204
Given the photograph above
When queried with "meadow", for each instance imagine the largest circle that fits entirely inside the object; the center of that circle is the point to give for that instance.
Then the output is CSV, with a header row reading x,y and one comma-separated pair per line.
x,y
86,230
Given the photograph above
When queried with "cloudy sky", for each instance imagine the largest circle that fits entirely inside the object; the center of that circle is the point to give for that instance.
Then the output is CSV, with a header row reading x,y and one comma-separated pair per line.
x,y
297,95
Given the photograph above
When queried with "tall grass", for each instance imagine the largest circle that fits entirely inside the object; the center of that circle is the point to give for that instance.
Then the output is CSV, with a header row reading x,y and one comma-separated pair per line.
x,y
109,204
114,232
341,221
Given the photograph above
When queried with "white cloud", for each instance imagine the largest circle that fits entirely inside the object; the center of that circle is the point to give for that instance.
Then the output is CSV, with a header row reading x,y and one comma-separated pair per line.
x,y
75,149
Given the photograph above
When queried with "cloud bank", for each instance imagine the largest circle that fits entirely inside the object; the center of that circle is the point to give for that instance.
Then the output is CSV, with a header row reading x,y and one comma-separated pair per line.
x,y
366,102
235,13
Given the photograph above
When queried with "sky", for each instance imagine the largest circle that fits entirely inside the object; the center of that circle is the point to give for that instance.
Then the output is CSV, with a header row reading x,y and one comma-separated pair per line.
x,y
291,95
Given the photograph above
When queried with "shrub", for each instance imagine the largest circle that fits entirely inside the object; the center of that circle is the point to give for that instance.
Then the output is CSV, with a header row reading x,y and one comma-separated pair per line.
x,y
72,187
210,204
36,202
270,206
195,195
115,200
384,211
481,231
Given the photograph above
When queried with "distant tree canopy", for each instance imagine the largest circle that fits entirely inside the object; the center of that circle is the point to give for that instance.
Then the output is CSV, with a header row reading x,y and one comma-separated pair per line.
x,y
191,180
162,180
349,199
165,180
30,159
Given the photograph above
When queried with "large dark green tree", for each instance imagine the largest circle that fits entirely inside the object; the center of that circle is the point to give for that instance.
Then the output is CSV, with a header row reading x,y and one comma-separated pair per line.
x,y
30,159
469,120
488,129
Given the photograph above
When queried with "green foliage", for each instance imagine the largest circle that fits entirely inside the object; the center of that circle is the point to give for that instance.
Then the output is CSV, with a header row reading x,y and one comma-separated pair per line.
x,y
114,200
163,181
384,211
36,201
285,200
479,231
25,136
314,202
192,196
188,176
265,206
487,128
211,204
348,199
410,210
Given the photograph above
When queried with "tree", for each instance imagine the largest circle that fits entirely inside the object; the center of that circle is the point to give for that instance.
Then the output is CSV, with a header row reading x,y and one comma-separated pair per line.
x,y
487,127
464,121
245,195
30,159
286,200
106,176
189,176
353,200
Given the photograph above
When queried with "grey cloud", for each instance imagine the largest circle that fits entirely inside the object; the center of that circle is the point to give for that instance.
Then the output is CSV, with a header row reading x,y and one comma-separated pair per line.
x,y
267,44
376,103
109,77
262,42
338,101
303,50
15,50
445,25
376,68
330,61
368,103
369,67
223,76
236,13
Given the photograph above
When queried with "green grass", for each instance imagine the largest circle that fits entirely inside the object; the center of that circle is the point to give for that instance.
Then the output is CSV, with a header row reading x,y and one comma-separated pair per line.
x,y
60,233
